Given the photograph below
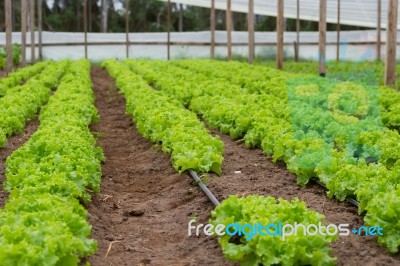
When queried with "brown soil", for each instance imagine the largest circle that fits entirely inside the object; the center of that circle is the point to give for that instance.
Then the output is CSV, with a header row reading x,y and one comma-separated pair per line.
x,y
145,205
3,73
143,202
13,143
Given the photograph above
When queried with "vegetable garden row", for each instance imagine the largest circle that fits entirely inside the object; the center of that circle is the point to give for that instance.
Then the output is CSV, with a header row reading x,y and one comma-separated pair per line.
x,y
43,222
342,131
300,120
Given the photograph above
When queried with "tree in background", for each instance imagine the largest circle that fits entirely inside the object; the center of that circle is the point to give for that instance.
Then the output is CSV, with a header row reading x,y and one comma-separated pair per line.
x,y
64,15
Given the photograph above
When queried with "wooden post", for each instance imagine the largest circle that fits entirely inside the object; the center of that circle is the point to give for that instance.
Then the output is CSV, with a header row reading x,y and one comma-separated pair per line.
x,y
169,30
322,37
250,26
280,24
212,29
338,33
229,28
85,26
40,27
23,31
296,47
8,22
378,31
32,26
127,27
391,40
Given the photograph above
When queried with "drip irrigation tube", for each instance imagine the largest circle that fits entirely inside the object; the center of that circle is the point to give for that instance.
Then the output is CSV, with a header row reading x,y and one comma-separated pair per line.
x,y
204,188
350,200
215,201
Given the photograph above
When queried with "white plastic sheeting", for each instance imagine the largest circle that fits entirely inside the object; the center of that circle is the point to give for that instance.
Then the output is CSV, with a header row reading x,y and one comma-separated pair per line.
x,y
353,12
356,45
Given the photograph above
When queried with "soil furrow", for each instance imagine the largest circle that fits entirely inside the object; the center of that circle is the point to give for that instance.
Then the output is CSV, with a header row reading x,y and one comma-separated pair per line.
x,y
143,202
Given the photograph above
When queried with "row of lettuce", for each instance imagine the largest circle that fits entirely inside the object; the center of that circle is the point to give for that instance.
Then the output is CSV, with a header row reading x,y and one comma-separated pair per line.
x,y
250,244
43,222
165,120
326,128
20,103
333,67
20,76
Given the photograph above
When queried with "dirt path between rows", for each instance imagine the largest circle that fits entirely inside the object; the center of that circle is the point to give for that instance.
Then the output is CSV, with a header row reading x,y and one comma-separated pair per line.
x,y
13,143
145,205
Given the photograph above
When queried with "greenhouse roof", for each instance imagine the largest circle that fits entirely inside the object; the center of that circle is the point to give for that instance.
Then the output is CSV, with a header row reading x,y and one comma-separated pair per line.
x,y
353,12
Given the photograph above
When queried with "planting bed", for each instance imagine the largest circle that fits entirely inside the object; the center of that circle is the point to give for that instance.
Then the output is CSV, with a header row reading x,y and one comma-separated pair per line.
x,y
94,164
146,206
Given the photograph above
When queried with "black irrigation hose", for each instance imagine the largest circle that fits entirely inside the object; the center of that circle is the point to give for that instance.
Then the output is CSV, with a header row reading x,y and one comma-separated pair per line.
x,y
204,188
350,200
215,201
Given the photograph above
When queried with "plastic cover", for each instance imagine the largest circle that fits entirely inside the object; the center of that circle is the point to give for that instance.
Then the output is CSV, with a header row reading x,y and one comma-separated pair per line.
x,y
352,12
355,45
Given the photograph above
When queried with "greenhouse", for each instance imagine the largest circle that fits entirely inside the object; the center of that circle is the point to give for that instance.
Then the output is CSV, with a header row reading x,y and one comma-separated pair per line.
x,y
194,132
